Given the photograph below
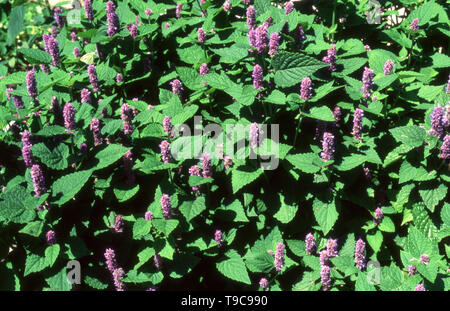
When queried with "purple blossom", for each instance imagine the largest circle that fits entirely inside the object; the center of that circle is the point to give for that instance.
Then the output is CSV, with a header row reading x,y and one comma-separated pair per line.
x,y
252,38
168,127
45,40
378,215
254,135
18,103
445,148
165,151
118,275
274,43
112,19
327,147
279,257
228,162
203,69
45,68
262,40
177,87
360,258
331,58
148,12
51,237
206,166
195,171
446,117
227,5
95,128
37,177
69,117
148,216
218,237
178,10
83,148
132,28
111,262
53,50
424,259
76,52
301,35
73,36
88,10
8,92
447,89
437,126
337,115
31,84
257,76
367,173
420,288
126,116
288,7
251,17
310,243
92,72
128,168
119,78
357,123
324,258
166,25
56,109
158,261
412,270
26,152
325,278
58,18
264,283
414,24
166,206
201,35
388,67
367,82
306,88
118,224
85,96
332,248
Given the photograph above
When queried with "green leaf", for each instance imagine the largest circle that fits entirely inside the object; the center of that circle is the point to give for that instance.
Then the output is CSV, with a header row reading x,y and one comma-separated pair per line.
x,y
231,55
244,175
95,283
15,23
141,228
141,277
423,222
391,278
191,209
286,213
124,194
51,254
310,282
36,56
425,12
198,180
305,162
417,243
321,113
59,281
35,263
109,155
192,55
445,214
66,187
276,97
351,162
190,78
33,228
183,264
375,240
432,197
220,82
429,92
51,130
362,284
55,158
387,225
377,59
234,269
165,226
291,68
326,214
297,247
440,60
232,212
411,135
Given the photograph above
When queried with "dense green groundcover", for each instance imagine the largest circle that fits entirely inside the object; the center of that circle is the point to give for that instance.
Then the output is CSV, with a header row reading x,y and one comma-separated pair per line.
x,y
77,198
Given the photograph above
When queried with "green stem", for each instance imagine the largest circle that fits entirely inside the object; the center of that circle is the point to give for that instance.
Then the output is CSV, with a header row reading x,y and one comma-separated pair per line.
x,y
298,127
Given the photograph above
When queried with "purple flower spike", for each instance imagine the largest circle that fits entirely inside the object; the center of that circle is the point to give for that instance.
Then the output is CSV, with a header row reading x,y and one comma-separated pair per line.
x,y
31,84
95,128
279,257
337,115
414,24
111,262
45,40
274,43
167,126
85,96
445,149
83,148
51,237
367,82
327,146
254,135
257,76
132,28
178,10
177,87
58,18
112,18
228,162
251,17
119,78
437,126
332,248
310,243
158,261
92,72
388,67
378,215
38,180
45,68
424,259
357,123
264,283
227,6
301,35
18,103
412,270
324,258
420,288
195,171
8,92
252,38
446,117
53,49
88,10
288,7
128,168
57,111
27,155
118,224
126,115
165,151
218,237
118,275
166,206
201,35
73,36
331,58
306,88
69,117
148,12
76,52
360,258
447,89
262,40
325,278
203,69
206,166
149,216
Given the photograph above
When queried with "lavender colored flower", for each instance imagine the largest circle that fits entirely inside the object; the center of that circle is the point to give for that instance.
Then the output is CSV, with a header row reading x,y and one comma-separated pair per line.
x,y
367,82
388,67
228,162
119,78
83,148
306,88
337,115
310,243
112,19
73,36
447,89
148,216
279,257
58,18
92,72
195,171
378,215
111,262
325,278
446,117
148,12
227,5
203,69
257,76
165,151
178,10
218,237
252,38
177,87
420,288
27,155
126,116
327,146
45,68
166,206
367,173
95,128
412,270
414,24
53,49
360,258
274,43
26,138
331,58
118,275
76,52
69,117
51,237
166,25
158,261
254,136
201,35
264,283
288,7
357,123
301,35
332,248
262,40
45,40
437,126
37,177
57,111
132,28
128,168
118,224
167,126
424,259
324,258
251,17
31,84
18,103
88,10
445,149
206,166
85,96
